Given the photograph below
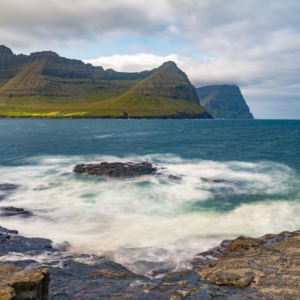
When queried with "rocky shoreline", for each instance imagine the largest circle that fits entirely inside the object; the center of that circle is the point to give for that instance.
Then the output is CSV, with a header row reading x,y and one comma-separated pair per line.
x,y
244,268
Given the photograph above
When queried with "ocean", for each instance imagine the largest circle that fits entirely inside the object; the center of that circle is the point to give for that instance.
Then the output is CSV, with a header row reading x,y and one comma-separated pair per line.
x,y
238,177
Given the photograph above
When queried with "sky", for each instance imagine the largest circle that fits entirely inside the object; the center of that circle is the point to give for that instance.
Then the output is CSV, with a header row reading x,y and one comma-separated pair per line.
x,y
254,44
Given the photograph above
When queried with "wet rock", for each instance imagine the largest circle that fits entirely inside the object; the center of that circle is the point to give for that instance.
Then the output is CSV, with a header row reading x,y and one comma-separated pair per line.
x,y
117,169
175,177
6,189
114,273
183,293
239,245
64,246
16,283
204,179
8,211
90,277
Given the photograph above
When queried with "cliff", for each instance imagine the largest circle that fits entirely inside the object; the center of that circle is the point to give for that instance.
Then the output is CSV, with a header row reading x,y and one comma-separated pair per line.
x,y
43,84
224,102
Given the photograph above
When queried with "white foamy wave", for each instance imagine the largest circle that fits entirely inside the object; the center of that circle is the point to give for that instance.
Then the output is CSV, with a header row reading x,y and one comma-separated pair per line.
x,y
182,217
103,136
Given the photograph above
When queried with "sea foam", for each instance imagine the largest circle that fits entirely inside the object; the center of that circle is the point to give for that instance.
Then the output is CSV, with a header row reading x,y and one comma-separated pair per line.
x,y
152,218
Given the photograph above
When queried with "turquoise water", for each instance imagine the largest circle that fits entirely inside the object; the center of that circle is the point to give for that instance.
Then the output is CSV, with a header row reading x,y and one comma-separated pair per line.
x,y
256,164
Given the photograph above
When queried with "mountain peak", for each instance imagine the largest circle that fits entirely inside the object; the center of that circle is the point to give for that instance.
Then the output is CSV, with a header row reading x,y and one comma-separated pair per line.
x,y
5,50
170,62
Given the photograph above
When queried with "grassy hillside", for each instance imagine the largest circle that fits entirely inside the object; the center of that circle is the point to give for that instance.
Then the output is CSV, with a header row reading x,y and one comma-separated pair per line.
x,y
46,85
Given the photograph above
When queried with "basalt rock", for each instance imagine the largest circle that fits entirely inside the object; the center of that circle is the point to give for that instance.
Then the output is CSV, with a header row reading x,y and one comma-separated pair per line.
x,y
117,170
8,211
16,283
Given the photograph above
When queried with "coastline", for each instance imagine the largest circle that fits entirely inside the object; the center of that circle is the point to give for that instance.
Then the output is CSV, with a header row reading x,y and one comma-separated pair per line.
x,y
179,116
259,268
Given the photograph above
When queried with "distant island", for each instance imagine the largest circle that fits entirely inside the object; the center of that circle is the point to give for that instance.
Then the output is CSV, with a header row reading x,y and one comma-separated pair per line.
x,y
224,102
43,84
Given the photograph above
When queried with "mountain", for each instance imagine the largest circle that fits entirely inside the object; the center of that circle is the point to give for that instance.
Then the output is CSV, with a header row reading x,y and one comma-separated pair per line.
x,y
43,84
224,102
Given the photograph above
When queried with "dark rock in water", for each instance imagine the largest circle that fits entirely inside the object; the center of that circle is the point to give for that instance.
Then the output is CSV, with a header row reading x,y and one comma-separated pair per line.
x,y
8,211
174,177
117,169
204,179
6,189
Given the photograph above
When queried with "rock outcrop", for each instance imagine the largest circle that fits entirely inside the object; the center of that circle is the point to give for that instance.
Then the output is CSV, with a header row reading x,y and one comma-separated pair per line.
x,y
117,169
268,267
43,84
16,283
245,268
224,102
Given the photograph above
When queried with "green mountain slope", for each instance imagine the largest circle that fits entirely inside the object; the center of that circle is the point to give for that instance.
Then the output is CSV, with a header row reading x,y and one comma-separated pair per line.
x,y
44,84
224,102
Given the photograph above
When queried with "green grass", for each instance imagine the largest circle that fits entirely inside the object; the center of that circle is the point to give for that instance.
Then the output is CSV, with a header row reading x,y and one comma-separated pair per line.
x,y
54,107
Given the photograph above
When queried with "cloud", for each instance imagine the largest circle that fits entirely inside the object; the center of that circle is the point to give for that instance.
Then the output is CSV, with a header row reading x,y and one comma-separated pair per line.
x,y
253,43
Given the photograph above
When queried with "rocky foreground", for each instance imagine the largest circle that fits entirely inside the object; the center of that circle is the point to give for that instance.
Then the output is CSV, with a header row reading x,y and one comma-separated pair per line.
x,y
244,268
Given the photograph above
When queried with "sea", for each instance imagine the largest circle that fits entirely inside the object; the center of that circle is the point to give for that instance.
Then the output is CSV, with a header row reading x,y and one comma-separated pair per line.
x,y
236,177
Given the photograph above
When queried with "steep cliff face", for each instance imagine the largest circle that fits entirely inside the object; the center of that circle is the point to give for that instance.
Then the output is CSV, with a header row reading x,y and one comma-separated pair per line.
x,y
45,84
224,102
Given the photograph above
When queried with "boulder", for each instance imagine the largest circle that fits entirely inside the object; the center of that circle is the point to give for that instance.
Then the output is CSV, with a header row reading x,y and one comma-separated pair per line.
x,y
117,169
16,283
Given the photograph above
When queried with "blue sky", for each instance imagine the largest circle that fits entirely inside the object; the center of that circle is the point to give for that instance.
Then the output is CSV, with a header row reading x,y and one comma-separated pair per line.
x,y
254,44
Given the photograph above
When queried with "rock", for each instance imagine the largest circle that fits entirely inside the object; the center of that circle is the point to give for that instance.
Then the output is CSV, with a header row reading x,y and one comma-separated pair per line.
x,y
174,177
6,189
8,211
116,170
16,283
212,293
8,186
204,179
268,265
114,273
90,277
183,293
